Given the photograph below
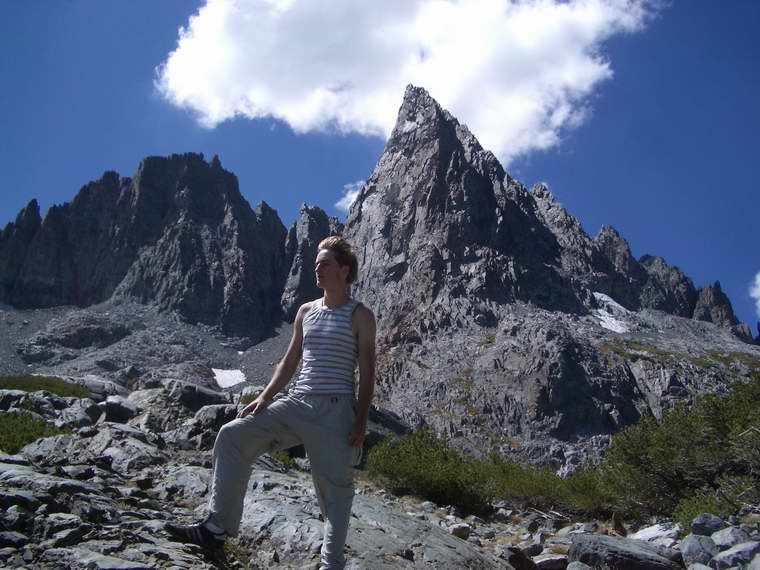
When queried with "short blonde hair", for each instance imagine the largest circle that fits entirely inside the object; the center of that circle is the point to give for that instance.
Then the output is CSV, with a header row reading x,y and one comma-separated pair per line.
x,y
344,255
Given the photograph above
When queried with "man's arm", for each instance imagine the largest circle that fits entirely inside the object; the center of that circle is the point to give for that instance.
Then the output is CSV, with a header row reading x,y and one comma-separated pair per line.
x,y
366,328
285,369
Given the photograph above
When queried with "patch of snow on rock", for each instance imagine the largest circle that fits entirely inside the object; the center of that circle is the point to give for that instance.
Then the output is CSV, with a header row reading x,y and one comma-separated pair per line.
x,y
227,378
611,314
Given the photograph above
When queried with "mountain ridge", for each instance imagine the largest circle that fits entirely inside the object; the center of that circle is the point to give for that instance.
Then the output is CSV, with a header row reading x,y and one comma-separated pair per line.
x,y
501,323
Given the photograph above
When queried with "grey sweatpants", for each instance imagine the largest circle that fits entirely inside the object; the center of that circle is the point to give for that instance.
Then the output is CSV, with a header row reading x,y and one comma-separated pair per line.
x,y
322,424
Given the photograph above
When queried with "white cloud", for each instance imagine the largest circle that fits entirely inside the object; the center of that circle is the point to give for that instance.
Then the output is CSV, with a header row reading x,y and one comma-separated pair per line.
x,y
754,292
350,192
517,72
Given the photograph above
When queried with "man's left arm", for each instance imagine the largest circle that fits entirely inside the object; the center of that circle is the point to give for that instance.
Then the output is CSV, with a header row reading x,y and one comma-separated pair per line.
x,y
365,325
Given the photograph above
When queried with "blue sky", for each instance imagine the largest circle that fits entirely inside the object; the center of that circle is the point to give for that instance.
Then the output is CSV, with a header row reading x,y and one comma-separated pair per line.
x,y
661,143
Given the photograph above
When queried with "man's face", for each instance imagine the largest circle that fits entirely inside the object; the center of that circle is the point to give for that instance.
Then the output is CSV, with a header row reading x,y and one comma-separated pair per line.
x,y
330,274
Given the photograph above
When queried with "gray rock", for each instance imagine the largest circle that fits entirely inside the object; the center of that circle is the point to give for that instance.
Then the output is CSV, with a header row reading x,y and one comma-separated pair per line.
x,y
532,549
697,548
15,518
738,555
706,524
657,531
185,481
517,559
461,530
755,564
119,409
728,537
81,558
56,522
12,539
622,553
195,397
276,513
551,561
578,566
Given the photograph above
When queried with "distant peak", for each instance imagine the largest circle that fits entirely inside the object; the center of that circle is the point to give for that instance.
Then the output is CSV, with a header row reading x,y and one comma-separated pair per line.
x,y
541,190
418,96
607,231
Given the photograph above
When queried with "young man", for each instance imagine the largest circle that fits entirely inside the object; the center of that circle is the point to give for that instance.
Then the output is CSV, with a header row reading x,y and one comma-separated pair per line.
x,y
334,333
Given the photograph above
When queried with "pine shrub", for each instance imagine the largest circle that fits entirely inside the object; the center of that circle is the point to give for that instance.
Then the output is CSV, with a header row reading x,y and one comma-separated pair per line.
x,y
17,429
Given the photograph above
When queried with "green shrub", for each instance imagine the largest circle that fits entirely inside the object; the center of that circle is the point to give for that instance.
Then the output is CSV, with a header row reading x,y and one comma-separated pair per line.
x,y
703,459
284,457
29,383
728,496
657,468
423,464
18,429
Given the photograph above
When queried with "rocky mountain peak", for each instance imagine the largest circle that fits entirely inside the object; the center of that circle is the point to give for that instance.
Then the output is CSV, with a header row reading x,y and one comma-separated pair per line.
x,y
29,216
178,234
616,249
311,227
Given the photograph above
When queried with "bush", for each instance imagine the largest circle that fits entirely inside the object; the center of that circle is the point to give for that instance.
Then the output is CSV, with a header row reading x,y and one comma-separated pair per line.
x,y
285,458
29,383
656,469
423,464
702,459
18,429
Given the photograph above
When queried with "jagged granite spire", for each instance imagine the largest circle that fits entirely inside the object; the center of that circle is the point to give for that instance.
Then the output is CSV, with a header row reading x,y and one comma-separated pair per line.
x,y
312,226
440,217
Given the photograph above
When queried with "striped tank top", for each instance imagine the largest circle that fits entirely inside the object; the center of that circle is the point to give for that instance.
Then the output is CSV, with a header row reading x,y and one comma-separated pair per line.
x,y
330,350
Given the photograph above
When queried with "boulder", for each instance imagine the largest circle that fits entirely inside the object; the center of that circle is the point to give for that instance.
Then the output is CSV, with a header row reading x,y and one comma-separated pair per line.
x,y
120,409
728,537
657,531
738,555
621,553
195,397
706,524
696,548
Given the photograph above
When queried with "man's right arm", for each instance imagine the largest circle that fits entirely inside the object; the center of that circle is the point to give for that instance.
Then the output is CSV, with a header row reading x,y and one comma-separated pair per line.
x,y
285,369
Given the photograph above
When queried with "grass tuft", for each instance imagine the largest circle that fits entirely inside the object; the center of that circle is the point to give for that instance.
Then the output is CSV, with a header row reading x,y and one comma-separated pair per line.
x,y
19,429
29,383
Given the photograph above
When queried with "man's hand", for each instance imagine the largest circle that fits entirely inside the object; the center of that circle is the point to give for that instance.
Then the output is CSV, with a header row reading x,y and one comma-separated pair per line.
x,y
254,407
356,437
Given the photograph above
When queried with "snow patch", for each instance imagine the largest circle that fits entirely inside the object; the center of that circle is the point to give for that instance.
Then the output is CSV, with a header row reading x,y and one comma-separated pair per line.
x,y
611,314
227,378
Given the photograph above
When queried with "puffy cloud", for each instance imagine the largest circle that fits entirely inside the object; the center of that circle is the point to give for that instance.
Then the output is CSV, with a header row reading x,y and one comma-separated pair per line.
x,y
754,292
517,72
350,192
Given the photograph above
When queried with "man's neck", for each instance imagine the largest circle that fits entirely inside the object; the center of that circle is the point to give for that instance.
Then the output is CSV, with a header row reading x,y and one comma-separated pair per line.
x,y
335,298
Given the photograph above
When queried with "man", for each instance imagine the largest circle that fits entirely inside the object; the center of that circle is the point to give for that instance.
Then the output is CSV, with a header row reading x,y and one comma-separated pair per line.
x,y
334,333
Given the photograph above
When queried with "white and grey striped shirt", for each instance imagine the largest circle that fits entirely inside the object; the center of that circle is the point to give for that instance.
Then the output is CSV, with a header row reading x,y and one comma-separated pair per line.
x,y
330,350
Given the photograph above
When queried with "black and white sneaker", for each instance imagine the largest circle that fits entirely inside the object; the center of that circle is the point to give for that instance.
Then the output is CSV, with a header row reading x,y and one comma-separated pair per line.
x,y
198,533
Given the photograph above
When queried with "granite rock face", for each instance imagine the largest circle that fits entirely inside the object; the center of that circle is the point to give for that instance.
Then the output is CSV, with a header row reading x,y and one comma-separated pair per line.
x,y
501,322
714,306
179,235
311,227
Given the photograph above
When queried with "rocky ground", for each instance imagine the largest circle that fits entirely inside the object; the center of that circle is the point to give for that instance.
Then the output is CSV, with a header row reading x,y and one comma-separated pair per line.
x,y
99,497
130,344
